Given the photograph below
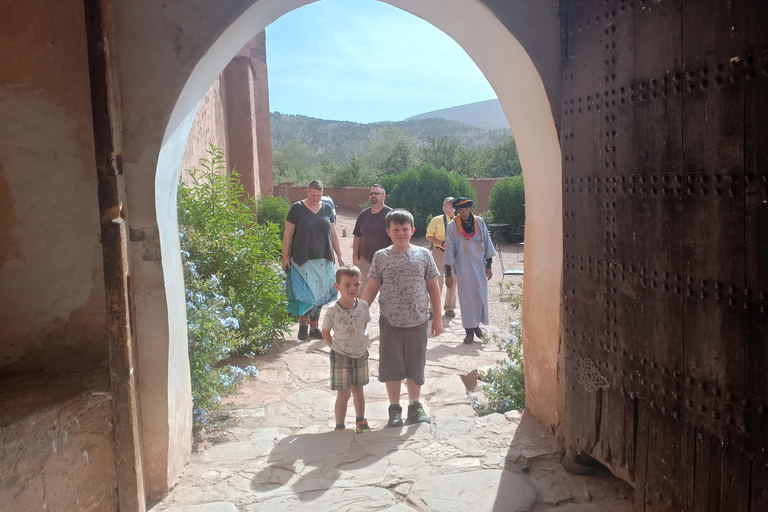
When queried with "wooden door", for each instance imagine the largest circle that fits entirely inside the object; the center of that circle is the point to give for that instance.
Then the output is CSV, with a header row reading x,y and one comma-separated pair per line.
x,y
664,132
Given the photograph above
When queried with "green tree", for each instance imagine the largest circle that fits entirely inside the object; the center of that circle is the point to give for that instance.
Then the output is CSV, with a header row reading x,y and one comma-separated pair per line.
x,y
422,192
328,168
291,162
447,153
391,152
352,174
507,201
502,160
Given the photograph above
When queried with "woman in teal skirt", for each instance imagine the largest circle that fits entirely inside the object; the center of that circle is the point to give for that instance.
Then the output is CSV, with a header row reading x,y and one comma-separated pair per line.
x,y
309,242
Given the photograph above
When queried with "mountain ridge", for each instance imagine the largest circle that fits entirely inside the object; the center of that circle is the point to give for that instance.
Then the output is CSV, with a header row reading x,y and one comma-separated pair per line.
x,y
340,139
486,115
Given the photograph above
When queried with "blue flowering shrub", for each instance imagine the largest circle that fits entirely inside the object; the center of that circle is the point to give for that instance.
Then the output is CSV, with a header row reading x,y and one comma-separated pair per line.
x,y
234,286
504,384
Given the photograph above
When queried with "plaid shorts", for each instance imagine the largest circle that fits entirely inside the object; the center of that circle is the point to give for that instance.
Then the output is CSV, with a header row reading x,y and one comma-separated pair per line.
x,y
346,371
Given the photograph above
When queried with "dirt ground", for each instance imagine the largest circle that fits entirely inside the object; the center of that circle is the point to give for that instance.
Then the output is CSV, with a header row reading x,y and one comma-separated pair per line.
x,y
500,308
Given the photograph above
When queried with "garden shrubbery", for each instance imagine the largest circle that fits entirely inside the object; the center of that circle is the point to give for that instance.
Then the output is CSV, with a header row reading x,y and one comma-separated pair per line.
x,y
422,192
507,202
273,209
234,285
504,384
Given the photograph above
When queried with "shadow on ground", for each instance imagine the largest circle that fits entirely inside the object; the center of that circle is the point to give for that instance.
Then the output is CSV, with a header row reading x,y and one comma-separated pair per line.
x,y
330,455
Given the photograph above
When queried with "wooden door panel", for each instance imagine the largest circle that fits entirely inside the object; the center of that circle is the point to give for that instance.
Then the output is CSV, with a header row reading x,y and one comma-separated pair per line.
x,y
665,289
756,213
759,488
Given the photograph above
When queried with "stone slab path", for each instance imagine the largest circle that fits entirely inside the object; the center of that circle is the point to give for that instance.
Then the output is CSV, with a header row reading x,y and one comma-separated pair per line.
x,y
277,450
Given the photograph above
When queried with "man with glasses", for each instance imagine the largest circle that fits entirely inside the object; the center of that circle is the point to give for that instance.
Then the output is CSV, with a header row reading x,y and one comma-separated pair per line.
x,y
436,234
370,233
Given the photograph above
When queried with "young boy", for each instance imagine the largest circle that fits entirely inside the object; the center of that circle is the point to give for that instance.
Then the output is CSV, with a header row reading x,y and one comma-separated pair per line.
x,y
407,277
347,319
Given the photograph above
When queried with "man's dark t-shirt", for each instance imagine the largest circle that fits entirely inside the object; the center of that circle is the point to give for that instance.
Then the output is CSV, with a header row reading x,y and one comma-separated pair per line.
x,y
372,230
312,238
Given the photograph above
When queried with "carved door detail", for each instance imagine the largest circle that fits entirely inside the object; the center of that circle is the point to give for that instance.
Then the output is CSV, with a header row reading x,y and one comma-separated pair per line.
x,y
664,134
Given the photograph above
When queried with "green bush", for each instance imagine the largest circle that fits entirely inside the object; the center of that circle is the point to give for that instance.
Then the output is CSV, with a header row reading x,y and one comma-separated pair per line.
x,y
504,384
352,174
507,202
274,210
234,287
422,192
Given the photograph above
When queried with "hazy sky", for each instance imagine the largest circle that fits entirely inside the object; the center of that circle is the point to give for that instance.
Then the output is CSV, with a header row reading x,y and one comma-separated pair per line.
x,y
365,61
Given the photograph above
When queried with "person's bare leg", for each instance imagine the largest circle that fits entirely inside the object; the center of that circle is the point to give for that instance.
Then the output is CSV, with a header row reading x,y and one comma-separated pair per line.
x,y
414,390
358,399
342,399
393,391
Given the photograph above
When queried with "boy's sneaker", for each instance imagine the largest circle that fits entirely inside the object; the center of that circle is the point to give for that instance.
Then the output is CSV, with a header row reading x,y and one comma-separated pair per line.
x,y
303,332
316,333
479,333
395,416
362,426
416,414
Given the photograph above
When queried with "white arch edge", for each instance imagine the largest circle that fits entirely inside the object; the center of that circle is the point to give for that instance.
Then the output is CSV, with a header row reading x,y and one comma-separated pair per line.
x,y
521,92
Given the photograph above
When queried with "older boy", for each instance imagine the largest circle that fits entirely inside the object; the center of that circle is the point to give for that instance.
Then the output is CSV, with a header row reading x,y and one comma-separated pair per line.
x,y
347,318
407,277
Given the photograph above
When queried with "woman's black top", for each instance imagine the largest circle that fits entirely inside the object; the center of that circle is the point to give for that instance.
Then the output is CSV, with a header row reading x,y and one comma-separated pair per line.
x,y
312,238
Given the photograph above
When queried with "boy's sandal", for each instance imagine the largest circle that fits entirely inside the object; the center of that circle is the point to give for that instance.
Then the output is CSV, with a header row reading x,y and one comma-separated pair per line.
x,y
339,428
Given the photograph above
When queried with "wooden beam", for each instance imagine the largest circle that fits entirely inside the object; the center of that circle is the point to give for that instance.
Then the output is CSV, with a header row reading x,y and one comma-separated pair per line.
x,y
107,120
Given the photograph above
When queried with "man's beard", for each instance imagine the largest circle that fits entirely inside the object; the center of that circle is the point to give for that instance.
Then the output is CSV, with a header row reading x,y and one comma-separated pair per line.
x,y
374,200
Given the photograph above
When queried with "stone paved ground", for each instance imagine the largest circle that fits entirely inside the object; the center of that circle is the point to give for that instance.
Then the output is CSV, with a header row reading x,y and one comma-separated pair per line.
x,y
277,450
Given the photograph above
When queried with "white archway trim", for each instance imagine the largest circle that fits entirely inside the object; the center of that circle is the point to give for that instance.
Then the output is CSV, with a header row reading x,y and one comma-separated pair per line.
x,y
511,73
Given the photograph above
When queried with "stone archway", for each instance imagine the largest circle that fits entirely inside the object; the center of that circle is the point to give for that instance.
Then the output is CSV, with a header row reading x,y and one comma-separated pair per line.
x,y
515,46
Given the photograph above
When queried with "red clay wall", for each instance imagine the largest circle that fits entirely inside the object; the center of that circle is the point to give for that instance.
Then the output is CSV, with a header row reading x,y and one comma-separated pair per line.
x,y
483,187
352,197
234,115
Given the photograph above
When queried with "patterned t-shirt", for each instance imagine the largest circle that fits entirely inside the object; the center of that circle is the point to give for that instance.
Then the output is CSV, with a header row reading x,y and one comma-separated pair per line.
x,y
403,276
348,327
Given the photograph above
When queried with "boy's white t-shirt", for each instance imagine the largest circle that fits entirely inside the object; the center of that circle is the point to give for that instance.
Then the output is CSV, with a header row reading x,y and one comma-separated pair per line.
x,y
348,328
403,297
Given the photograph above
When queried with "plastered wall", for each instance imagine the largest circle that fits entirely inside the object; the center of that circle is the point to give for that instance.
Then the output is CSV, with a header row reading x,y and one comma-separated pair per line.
x,y
52,312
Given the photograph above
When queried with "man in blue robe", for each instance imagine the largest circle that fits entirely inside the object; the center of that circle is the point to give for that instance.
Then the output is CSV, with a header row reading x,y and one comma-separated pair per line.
x,y
469,250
